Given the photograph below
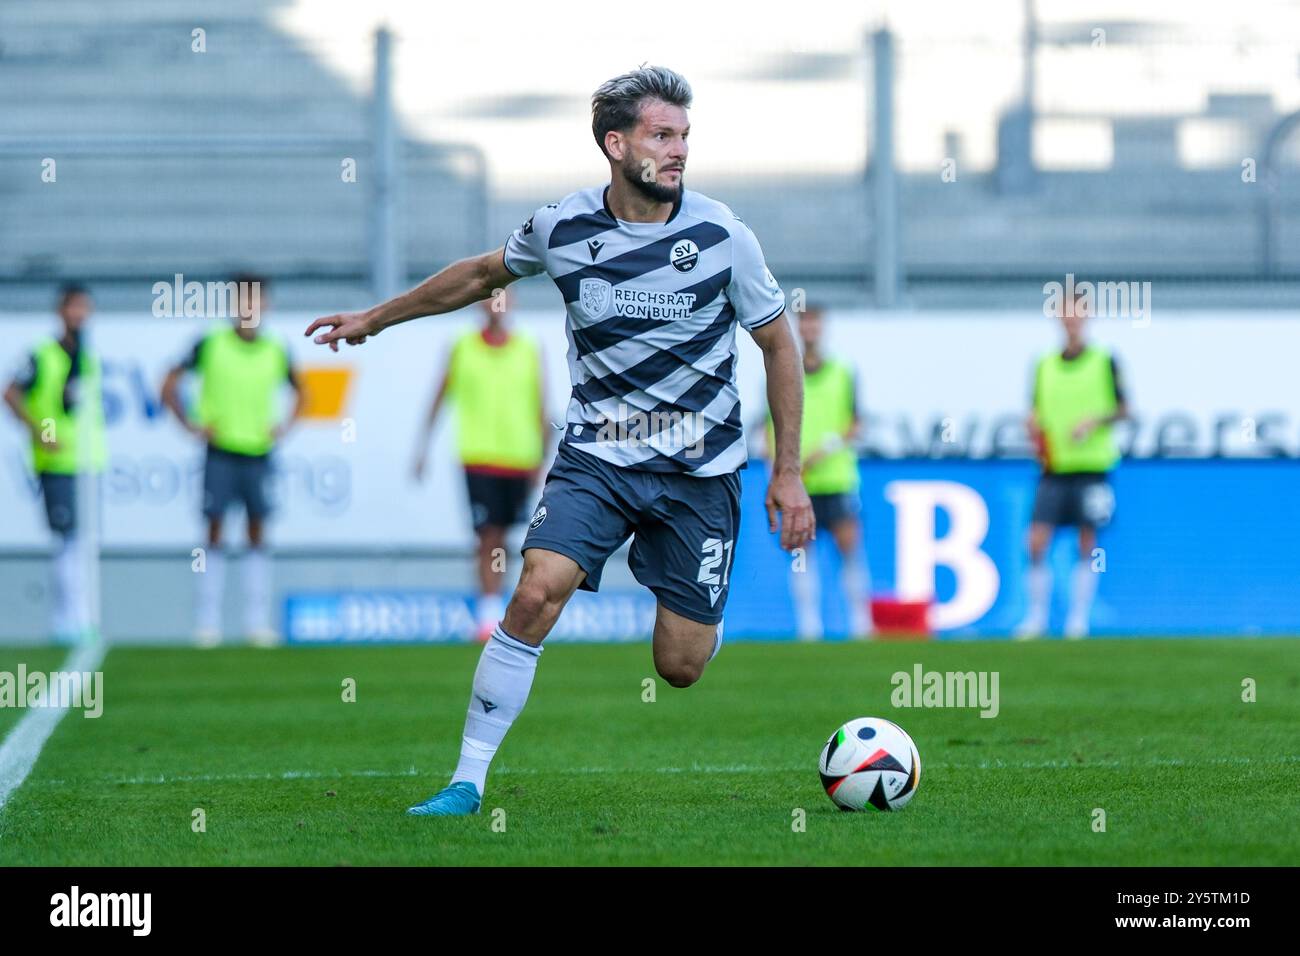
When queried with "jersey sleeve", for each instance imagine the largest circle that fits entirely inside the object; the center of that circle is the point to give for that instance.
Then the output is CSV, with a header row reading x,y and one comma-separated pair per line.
x,y
526,248
753,292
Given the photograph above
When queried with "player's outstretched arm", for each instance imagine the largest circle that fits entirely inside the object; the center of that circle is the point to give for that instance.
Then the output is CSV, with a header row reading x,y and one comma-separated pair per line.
x,y
785,491
458,285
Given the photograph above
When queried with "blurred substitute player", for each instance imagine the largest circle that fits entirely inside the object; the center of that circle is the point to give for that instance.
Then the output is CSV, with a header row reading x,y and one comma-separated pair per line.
x,y
494,379
241,372
655,279
56,395
830,475
1077,396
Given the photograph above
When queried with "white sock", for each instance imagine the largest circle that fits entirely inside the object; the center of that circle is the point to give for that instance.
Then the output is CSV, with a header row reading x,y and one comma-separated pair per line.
x,y
805,587
717,642
211,585
1040,594
81,583
489,609
855,585
501,683
67,575
1083,586
257,591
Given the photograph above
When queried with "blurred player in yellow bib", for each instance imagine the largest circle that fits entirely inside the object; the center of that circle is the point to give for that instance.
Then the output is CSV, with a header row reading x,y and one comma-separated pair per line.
x,y
493,377
831,424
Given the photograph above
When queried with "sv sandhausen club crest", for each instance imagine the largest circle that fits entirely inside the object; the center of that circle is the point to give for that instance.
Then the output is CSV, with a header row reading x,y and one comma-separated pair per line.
x,y
685,255
594,296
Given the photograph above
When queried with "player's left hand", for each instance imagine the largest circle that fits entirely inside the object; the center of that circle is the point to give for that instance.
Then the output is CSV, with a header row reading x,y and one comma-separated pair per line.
x,y
786,495
352,327
1084,429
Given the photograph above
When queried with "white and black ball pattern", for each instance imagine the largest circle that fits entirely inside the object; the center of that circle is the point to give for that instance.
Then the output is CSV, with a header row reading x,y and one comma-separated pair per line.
x,y
870,764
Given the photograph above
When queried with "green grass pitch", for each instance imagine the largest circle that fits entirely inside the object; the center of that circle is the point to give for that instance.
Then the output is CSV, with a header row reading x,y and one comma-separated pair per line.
x,y
1153,732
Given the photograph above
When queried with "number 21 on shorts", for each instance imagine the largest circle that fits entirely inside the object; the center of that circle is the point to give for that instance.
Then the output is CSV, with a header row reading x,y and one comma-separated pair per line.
x,y
716,553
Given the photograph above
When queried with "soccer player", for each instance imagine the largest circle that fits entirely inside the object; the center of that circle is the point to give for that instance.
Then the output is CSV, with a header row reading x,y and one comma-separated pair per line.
x,y
655,279
830,475
1077,396
56,395
241,373
494,379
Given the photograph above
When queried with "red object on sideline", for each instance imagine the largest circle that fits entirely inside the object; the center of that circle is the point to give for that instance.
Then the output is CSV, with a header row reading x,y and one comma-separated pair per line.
x,y
900,619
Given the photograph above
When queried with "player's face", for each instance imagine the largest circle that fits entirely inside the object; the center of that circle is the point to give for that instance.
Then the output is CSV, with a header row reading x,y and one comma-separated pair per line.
x,y
654,151
75,311
1073,315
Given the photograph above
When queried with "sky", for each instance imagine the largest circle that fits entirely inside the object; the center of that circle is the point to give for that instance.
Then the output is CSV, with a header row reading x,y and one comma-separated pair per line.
x,y
784,88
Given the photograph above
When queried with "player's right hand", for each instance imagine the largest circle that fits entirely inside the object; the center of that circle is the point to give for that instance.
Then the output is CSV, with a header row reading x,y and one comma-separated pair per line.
x,y
786,496
352,327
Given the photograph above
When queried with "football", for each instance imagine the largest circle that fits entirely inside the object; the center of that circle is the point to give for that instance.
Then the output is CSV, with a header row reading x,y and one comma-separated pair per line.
x,y
870,764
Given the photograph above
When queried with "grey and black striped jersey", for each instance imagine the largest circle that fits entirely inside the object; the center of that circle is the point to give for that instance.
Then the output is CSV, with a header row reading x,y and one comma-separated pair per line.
x,y
652,314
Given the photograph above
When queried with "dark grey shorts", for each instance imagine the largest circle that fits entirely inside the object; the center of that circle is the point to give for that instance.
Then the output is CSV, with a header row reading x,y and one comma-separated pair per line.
x,y
684,528
830,510
496,500
230,478
60,494
1085,499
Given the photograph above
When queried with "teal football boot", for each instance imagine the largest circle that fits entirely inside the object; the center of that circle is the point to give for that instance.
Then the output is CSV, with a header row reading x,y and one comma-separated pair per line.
x,y
460,799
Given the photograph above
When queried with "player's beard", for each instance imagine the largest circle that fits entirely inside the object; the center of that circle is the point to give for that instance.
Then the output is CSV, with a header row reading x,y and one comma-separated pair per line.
x,y
632,172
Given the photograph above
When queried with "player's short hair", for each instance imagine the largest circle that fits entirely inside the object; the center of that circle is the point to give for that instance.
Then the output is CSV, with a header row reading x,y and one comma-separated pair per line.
x,y
616,104
70,290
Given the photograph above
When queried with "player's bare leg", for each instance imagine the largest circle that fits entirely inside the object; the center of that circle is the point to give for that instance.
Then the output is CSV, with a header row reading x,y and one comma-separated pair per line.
x,y
683,647
1039,581
546,583
504,676
1083,586
855,576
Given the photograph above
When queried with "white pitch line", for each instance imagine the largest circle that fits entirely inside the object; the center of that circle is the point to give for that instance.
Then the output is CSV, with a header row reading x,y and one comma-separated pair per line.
x,y
20,750
1061,764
